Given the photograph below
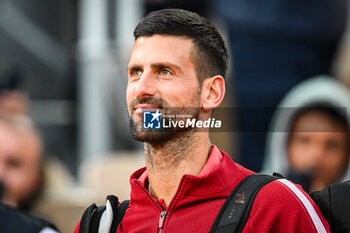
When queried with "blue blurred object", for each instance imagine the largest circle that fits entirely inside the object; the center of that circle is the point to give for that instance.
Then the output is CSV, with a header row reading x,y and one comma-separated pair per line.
x,y
275,45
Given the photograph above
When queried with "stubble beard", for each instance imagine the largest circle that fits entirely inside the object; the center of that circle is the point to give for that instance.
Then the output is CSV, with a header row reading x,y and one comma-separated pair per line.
x,y
162,135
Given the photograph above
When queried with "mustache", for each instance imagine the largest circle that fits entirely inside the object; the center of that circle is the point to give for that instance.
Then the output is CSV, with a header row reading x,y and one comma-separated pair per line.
x,y
159,103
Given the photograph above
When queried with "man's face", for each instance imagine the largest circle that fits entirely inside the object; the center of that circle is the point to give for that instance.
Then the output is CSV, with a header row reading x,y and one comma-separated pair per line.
x,y
162,76
324,153
19,165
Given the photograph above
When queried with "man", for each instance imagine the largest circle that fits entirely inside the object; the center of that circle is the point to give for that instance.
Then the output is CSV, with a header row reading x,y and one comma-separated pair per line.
x,y
177,67
21,176
20,162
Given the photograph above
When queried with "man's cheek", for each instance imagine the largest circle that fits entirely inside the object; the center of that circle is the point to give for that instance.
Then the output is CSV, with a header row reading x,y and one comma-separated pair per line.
x,y
128,96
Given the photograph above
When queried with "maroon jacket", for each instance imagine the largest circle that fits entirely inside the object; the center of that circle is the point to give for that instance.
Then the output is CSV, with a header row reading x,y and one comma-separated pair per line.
x,y
280,206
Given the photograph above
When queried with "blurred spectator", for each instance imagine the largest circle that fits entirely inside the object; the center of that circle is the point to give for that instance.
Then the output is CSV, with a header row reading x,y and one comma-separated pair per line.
x,y
20,145
21,166
318,146
275,45
20,162
309,135
21,175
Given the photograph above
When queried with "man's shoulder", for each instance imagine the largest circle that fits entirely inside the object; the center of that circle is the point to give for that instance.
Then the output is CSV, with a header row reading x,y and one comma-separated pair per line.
x,y
283,203
230,172
282,191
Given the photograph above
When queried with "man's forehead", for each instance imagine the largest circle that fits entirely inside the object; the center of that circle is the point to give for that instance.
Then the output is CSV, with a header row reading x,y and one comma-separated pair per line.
x,y
163,48
163,42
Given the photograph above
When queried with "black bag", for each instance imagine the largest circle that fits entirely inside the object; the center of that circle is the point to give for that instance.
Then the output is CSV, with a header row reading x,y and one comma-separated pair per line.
x,y
90,221
334,203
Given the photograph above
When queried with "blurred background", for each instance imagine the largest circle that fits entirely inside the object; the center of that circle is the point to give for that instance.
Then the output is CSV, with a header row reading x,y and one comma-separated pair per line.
x,y
63,66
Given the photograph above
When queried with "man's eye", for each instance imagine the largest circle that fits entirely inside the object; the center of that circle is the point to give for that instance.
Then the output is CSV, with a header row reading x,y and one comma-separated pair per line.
x,y
135,72
165,72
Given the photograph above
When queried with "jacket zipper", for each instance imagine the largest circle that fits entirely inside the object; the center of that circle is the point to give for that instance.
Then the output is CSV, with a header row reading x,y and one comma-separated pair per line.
x,y
161,221
162,213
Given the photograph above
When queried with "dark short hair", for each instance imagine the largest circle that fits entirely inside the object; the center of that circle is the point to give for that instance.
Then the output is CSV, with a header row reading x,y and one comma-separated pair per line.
x,y
211,57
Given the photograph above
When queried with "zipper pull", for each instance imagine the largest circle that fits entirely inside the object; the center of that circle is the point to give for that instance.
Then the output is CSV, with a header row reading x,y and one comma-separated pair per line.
x,y
161,221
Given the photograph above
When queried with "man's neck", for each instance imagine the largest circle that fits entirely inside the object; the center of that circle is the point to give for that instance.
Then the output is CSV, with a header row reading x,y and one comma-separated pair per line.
x,y
167,162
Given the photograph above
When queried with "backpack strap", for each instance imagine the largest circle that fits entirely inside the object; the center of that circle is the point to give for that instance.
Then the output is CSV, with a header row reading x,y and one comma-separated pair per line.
x,y
119,216
104,219
235,211
86,219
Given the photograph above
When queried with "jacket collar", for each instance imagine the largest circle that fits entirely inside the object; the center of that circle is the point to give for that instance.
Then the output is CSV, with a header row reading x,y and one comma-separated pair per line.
x,y
217,179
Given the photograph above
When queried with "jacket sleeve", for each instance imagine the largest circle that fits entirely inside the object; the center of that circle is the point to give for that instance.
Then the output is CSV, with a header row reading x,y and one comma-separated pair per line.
x,y
282,206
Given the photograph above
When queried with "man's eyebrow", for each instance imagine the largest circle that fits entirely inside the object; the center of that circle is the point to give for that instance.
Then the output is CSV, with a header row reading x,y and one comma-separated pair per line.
x,y
166,65
158,66
133,67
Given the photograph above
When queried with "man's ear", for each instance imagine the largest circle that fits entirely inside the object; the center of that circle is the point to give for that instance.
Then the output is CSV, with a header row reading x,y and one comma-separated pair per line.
x,y
213,92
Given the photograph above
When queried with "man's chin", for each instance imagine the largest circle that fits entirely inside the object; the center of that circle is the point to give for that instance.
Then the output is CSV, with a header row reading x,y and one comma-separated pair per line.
x,y
151,137
144,135
159,136
155,136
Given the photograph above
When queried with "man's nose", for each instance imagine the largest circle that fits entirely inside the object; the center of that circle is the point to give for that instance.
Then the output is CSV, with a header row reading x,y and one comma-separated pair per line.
x,y
317,153
146,85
